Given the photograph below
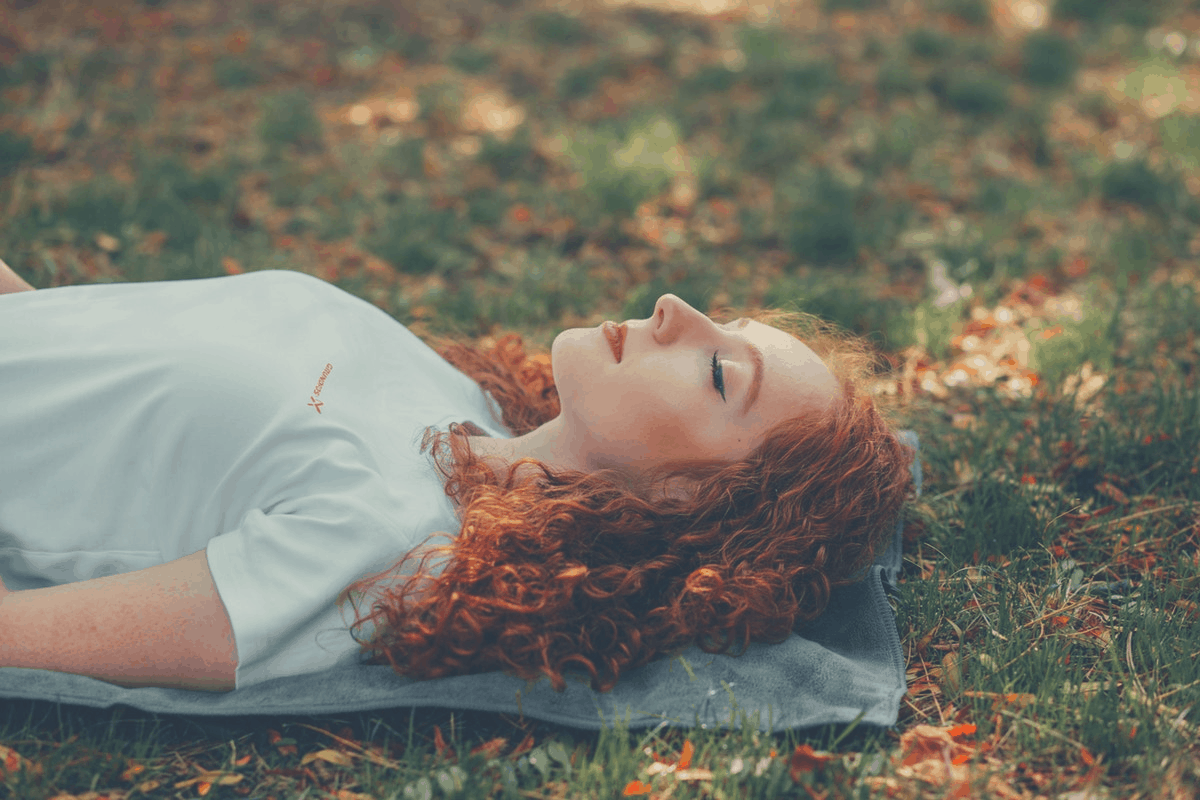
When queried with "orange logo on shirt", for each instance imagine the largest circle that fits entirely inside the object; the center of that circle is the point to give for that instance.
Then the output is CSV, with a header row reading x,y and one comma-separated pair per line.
x,y
312,400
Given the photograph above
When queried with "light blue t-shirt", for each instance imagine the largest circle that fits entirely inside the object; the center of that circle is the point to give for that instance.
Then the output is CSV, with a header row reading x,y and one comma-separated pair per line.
x,y
269,418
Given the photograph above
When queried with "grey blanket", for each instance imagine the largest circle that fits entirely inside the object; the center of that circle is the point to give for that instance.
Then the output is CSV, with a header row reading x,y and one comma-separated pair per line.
x,y
845,666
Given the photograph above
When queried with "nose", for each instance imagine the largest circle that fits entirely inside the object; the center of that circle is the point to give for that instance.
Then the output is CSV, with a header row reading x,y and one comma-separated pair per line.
x,y
673,315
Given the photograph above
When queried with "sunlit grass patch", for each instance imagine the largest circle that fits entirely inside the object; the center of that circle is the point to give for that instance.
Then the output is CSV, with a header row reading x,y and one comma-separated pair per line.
x,y
288,118
235,73
470,59
1140,13
554,28
622,166
1048,59
1134,181
419,236
973,91
930,43
817,219
14,149
974,12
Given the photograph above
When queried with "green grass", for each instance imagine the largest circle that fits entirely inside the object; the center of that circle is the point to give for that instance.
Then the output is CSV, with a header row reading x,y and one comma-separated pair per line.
x,y
1053,563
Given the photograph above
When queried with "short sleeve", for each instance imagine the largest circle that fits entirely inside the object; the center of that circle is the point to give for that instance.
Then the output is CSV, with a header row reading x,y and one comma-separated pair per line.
x,y
279,574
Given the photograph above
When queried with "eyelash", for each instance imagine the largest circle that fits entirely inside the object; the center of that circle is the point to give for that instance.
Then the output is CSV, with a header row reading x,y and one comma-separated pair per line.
x,y
718,374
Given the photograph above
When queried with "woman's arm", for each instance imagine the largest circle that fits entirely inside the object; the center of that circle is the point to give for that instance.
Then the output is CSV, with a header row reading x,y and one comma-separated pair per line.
x,y
11,281
160,626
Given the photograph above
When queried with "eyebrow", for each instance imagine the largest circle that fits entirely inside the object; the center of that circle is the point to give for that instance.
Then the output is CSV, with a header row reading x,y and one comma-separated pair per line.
x,y
756,358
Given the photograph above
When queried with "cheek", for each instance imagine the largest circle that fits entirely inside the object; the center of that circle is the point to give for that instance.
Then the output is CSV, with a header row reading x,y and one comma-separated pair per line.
x,y
671,433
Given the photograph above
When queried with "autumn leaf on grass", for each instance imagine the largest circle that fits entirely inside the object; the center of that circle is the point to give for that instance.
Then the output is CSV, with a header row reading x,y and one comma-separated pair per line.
x,y
805,759
286,747
1094,772
133,771
636,787
682,770
999,699
932,755
524,747
685,759
330,756
152,243
491,748
346,794
927,743
1110,491
662,765
11,762
439,744
207,780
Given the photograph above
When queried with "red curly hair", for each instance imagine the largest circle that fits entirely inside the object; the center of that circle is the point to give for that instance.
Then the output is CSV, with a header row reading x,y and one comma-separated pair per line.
x,y
585,571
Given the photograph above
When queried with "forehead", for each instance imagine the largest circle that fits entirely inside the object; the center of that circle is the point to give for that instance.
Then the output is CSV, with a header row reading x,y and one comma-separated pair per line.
x,y
792,372
785,348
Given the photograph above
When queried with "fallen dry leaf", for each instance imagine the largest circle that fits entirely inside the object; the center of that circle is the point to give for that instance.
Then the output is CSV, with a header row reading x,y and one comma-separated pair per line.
x,y
929,743
805,759
1112,492
329,756
12,762
635,787
443,750
491,748
685,759
696,774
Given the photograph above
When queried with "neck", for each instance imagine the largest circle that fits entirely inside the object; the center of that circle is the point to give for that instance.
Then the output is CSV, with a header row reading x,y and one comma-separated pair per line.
x,y
545,443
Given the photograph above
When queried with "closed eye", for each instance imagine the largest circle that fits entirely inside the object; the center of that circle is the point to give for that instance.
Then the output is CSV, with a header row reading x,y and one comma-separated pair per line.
x,y
718,373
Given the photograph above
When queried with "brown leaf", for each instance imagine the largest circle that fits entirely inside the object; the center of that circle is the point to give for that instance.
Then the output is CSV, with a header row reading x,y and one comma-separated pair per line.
x,y
330,756
805,759
152,243
134,769
952,671
491,748
685,758
12,762
524,747
1112,493
439,744
927,742
1000,698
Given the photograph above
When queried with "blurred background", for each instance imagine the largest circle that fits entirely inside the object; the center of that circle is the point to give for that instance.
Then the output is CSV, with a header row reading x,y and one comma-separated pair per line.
x,y
1002,195
974,184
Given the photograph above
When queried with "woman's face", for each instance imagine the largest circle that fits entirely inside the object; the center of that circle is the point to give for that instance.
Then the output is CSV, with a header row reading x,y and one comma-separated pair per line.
x,y
661,402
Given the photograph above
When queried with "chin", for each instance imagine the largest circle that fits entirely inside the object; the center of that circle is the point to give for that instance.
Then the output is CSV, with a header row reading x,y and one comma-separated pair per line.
x,y
575,358
577,344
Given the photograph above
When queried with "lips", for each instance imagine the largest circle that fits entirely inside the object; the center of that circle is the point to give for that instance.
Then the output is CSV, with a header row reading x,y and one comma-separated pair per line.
x,y
616,338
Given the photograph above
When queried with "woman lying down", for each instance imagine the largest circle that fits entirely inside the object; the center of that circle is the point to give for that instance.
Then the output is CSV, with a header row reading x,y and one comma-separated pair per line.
x,y
207,484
